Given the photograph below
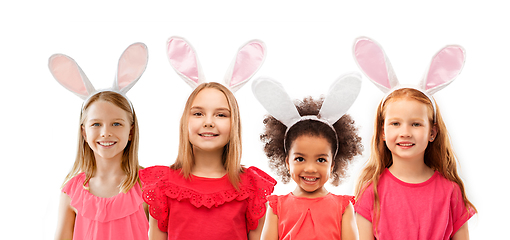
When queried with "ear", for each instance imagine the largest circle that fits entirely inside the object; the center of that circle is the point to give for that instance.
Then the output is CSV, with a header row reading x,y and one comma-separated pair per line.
x,y
433,133
67,72
248,60
287,162
445,66
83,133
275,100
372,60
184,61
132,64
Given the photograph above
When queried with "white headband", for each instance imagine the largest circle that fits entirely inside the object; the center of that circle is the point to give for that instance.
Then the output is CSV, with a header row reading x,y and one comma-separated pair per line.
x,y
130,68
184,60
445,66
340,97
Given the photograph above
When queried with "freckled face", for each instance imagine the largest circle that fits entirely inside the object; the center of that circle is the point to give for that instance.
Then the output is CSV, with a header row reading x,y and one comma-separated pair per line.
x,y
407,130
310,162
209,121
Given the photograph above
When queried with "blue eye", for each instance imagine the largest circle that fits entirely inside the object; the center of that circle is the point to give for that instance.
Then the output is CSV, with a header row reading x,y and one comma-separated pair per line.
x,y
117,124
95,125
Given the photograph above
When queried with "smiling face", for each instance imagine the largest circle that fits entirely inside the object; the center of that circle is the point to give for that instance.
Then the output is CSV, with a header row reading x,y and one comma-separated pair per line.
x,y
209,121
310,162
407,129
106,130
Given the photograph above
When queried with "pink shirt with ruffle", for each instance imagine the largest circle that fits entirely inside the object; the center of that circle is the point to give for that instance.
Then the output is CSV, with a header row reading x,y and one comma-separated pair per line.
x,y
205,208
119,217
309,218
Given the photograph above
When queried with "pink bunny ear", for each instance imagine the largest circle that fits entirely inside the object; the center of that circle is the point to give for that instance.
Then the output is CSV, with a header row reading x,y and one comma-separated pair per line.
x,y
184,60
132,64
372,60
446,65
67,72
247,62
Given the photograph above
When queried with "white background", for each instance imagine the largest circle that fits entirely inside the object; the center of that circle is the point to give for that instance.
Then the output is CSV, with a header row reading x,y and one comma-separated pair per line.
x,y
309,45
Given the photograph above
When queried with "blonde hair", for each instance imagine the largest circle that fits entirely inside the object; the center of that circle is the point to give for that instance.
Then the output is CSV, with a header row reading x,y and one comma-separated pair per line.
x,y
231,152
85,160
438,155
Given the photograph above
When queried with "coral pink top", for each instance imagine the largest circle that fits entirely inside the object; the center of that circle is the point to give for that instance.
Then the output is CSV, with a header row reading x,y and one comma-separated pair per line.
x,y
205,208
309,218
433,209
119,217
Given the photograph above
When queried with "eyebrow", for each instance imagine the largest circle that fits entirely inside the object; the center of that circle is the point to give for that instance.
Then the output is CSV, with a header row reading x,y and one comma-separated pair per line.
x,y
95,119
216,109
319,155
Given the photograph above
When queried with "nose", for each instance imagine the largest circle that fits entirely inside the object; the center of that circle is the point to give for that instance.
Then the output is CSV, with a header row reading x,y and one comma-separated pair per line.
x,y
209,122
105,132
310,167
405,132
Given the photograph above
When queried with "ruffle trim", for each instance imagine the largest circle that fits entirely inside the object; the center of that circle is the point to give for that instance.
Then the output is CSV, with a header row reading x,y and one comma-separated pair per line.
x,y
102,209
255,186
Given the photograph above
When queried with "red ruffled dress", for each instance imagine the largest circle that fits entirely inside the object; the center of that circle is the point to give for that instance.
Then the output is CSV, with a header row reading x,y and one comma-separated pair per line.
x,y
309,218
119,217
205,208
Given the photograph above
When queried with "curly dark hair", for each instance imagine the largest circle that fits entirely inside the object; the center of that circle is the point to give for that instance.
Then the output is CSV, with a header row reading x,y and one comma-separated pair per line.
x,y
349,143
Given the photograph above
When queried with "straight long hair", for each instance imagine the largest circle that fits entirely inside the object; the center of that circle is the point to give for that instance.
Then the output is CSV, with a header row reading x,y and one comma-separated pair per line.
x,y
438,155
85,160
232,151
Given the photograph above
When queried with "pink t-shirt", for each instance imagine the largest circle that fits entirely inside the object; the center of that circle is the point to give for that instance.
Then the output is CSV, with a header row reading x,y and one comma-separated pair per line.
x,y
309,218
433,209
205,208
119,217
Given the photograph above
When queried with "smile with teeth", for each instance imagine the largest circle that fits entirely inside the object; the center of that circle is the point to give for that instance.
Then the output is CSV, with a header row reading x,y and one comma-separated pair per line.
x,y
405,144
208,134
106,144
309,179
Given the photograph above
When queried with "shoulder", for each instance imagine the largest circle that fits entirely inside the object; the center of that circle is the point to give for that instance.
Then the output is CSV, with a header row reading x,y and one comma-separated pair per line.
x,y
73,183
255,177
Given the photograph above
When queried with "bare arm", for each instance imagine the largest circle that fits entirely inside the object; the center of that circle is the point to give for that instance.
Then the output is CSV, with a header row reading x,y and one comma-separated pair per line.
x,y
154,232
349,229
462,233
66,217
270,231
364,228
255,234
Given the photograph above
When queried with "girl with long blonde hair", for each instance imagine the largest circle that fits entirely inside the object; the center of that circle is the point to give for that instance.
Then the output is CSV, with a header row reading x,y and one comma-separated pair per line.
x,y
207,193
101,196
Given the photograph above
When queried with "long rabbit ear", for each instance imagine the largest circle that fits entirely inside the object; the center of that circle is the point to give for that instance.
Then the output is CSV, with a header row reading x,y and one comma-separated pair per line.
x,y
445,66
184,60
275,100
67,72
132,64
372,60
247,62
340,97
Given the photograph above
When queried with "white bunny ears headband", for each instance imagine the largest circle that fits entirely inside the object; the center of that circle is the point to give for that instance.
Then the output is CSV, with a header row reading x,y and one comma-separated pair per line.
x,y
445,66
340,97
130,68
184,60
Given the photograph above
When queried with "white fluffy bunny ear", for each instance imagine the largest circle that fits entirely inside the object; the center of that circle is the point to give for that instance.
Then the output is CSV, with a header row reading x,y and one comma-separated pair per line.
x,y
445,66
372,60
184,60
247,62
132,64
340,97
67,72
275,100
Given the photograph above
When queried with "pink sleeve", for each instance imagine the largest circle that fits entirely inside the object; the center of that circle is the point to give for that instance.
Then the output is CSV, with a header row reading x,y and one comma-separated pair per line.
x,y
460,214
152,179
273,203
72,184
262,185
364,205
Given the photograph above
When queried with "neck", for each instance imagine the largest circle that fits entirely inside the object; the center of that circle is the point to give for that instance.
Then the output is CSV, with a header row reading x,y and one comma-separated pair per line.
x,y
208,163
411,170
109,167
